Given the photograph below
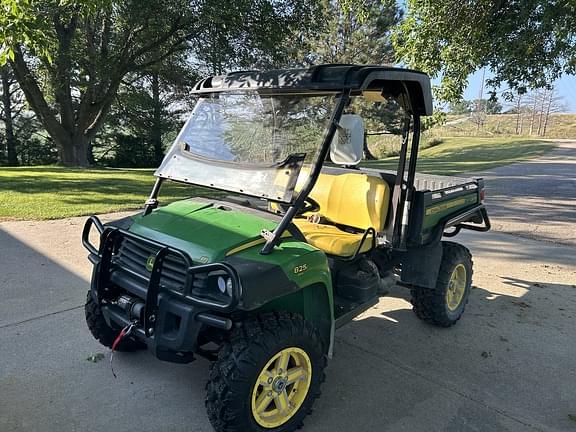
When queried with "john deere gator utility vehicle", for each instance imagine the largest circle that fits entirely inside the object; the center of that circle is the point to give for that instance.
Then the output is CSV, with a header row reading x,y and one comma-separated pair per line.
x,y
259,281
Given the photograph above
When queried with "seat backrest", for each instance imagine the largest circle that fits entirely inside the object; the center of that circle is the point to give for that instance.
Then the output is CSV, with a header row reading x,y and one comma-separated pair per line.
x,y
347,146
353,199
358,200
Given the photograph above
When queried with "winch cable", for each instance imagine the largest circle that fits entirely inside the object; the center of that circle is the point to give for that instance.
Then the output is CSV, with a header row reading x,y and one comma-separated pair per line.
x,y
123,333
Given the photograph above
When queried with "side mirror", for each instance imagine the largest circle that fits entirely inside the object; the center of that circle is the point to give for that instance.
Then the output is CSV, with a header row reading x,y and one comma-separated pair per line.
x,y
347,146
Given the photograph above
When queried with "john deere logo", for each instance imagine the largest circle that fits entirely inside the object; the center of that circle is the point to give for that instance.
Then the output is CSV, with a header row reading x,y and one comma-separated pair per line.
x,y
150,263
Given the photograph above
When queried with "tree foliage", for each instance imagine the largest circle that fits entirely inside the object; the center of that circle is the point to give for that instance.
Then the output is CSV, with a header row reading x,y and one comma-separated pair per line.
x,y
358,33
252,33
71,77
146,114
71,57
525,43
355,35
460,107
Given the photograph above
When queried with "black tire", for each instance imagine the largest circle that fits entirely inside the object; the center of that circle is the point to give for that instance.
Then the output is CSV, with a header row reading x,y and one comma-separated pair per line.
x,y
240,361
105,334
431,305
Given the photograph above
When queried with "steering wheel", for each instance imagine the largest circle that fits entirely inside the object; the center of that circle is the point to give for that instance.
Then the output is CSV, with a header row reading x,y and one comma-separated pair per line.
x,y
310,205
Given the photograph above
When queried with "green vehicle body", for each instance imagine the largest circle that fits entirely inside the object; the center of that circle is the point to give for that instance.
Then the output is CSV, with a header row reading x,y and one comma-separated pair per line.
x,y
300,273
295,278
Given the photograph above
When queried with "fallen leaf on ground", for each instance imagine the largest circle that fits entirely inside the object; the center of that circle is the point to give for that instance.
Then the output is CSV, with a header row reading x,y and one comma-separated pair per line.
x,y
95,358
521,304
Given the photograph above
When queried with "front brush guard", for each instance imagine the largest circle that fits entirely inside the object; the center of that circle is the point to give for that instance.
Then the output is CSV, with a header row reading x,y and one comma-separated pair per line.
x,y
110,239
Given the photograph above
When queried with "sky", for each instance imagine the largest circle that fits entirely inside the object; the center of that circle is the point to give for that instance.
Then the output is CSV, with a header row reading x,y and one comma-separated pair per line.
x,y
565,86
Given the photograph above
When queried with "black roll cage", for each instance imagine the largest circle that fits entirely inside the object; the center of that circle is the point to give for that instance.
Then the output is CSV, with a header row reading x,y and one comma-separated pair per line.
x,y
402,193
410,88
403,190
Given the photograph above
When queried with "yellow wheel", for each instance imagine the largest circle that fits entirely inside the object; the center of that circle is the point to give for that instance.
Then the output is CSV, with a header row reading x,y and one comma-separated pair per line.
x,y
267,375
444,304
456,287
281,388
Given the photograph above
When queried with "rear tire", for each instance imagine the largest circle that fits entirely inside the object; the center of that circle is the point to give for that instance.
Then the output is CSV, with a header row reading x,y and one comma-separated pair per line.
x,y
247,385
444,305
102,332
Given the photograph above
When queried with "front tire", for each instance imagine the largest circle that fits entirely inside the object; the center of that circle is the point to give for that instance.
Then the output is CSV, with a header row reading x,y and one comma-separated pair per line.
x,y
267,375
444,305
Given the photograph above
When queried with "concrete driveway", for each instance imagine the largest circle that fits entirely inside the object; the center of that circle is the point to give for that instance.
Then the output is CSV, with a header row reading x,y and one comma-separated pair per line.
x,y
507,366
537,198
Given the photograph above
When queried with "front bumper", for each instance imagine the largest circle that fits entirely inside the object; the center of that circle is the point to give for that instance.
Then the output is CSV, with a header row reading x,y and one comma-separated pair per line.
x,y
169,318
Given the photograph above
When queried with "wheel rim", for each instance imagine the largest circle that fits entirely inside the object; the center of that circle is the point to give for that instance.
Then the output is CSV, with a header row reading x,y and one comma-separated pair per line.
x,y
281,387
456,287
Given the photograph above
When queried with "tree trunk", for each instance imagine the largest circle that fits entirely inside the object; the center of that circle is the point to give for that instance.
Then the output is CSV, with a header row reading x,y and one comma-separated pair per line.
x,y
90,154
534,112
157,120
548,107
541,116
518,123
8,119
518,114
73,150
367,153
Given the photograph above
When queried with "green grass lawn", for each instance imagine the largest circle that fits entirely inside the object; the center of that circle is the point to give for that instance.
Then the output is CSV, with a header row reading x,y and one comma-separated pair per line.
x,y
465,154
55,192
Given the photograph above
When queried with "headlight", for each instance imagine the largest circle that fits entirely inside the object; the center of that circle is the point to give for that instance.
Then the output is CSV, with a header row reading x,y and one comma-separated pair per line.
x,y
215,286
225,285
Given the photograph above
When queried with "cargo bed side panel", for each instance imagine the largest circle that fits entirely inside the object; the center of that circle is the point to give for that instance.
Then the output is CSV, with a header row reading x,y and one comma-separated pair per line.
x,y
429,209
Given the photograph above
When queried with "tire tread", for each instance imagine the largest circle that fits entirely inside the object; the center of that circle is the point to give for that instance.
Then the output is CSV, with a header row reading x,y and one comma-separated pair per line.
x,y
429,304
234,356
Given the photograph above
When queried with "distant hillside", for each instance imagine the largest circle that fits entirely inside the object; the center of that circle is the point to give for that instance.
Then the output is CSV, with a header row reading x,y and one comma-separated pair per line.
x,y
559,126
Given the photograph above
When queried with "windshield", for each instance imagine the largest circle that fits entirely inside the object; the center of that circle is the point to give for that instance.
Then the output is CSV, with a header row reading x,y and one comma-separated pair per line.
x,y
252,129
248,142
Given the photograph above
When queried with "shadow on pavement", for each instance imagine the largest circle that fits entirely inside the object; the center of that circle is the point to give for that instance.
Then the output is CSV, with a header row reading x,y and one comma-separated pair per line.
x,y
484,374
33,285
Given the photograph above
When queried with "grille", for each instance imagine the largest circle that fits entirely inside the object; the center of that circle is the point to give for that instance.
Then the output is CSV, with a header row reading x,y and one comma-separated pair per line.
x,y
134,255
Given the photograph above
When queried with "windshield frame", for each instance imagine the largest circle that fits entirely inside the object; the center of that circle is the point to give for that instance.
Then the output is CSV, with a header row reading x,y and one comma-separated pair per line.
x,y
275,181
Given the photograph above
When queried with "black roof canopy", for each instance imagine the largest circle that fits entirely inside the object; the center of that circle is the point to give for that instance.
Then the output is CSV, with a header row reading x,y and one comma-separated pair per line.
x,y
330,77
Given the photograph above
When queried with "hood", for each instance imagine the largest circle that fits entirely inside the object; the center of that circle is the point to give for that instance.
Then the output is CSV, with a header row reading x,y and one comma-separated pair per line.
x,y
207,231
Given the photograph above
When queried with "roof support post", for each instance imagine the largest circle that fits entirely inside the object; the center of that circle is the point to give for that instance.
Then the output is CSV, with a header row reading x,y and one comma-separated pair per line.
x,y
399,193
410,180
314,174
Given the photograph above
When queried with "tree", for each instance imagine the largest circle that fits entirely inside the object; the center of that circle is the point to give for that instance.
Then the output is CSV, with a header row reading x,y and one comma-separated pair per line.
x,y
71,77
252,33
149,105
543,103
460,107
488,106
525,43
356,33
72,56
10,109
517,108
554,104
352,35
535,101
493,106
